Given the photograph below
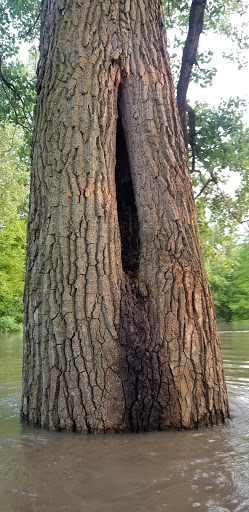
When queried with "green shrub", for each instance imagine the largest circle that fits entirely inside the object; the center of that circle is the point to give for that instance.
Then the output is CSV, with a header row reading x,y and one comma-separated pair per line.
x,y
9,324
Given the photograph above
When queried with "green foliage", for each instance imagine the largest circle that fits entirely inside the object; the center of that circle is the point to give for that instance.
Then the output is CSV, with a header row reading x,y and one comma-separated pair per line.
x,y
227,266
222,151
8,324
222,138
222,148
19,22
218,251
14,182
16,106
239,290
221,141
226,18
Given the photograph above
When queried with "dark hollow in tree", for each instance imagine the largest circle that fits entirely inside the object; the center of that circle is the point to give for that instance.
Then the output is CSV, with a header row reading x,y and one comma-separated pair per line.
x,y
120,331
126,206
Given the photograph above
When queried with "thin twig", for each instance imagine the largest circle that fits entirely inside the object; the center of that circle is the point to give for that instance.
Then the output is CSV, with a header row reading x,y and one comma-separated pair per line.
x,y
30,30
204,187
230,208
214,179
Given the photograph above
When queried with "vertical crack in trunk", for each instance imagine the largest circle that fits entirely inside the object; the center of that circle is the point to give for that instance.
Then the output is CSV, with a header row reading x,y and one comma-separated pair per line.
x,y
127,210
140,367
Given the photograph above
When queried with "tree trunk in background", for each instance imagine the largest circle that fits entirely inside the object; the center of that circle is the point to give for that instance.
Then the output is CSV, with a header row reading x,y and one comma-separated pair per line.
x,y
120,330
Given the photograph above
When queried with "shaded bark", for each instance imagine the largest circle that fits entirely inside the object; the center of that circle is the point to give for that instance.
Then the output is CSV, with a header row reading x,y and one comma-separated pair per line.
x,y
120,330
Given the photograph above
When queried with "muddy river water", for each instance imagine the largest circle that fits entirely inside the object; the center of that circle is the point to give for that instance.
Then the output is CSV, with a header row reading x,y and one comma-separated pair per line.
x,y
204,470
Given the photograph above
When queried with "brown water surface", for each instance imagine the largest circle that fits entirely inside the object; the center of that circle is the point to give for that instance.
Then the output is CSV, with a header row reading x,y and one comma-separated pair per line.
x,y
205,470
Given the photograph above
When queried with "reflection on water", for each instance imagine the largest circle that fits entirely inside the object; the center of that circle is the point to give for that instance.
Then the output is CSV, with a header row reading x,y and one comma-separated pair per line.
x,y
206,470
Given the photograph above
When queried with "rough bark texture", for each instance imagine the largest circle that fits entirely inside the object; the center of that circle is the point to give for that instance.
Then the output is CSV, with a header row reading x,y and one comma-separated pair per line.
x,y
120,330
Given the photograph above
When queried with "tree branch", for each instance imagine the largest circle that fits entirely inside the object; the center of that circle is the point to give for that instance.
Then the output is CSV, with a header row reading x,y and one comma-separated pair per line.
x,y
203,188
168,12
196,18
212,178
230,208
16,96
30,30
191,134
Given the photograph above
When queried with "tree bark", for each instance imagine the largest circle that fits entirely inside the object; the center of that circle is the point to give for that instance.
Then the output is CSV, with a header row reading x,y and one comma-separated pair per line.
x,y
120,331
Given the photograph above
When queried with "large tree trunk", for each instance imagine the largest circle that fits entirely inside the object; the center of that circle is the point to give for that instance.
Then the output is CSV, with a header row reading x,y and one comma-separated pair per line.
x,y
120,330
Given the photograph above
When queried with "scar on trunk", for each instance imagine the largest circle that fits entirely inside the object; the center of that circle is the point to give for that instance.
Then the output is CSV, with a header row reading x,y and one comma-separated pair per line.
x,y
127,210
